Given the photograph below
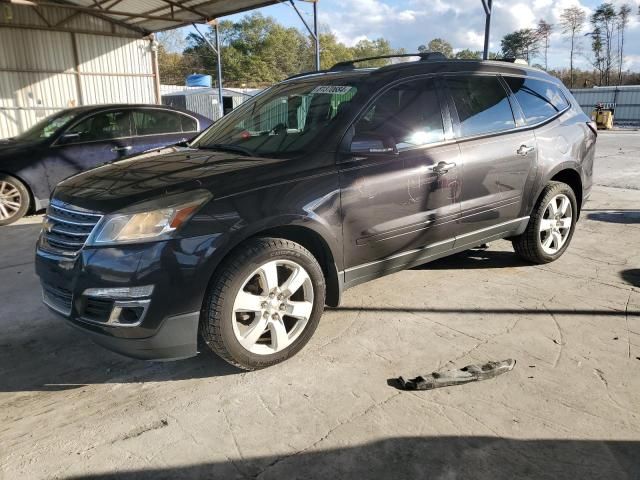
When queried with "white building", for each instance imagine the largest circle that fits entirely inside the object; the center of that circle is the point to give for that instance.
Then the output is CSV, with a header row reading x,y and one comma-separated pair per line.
x,y
55,57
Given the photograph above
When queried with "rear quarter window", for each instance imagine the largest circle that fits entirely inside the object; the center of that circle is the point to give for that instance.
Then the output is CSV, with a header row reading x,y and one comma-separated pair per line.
x,y
539,100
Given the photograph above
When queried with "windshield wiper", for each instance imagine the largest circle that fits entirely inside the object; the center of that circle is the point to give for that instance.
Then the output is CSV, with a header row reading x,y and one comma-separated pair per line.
x,y
225,147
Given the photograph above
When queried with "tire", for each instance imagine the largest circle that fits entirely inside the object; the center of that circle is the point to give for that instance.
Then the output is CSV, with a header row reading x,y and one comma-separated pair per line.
x,y
14,199
538,246
238,303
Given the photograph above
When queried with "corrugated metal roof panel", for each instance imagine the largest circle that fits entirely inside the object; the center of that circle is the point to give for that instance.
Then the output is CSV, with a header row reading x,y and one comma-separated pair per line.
x,y
181,13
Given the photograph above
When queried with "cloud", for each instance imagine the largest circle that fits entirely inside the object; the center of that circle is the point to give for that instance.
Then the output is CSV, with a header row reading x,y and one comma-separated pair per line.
x,y
410,23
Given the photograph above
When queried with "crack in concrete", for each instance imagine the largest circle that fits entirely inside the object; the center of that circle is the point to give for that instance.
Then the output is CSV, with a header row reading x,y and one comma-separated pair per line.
x,y
326,435
560,342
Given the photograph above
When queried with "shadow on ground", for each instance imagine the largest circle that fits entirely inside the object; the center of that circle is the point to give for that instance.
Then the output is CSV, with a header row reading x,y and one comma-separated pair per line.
x,y
628,217
631,276
426,457
476,258
57,358
14,239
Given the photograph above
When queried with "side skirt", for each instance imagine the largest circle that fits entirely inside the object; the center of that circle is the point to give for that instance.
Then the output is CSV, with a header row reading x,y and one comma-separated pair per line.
x,y
369,271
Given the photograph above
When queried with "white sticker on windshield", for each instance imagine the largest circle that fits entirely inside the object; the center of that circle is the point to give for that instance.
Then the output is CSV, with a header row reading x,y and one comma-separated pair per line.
x,y
332,89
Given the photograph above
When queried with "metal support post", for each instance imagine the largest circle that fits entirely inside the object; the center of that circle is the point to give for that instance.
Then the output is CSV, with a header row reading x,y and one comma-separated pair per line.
x,y
313,32
487,4
216,49
317,35
219,69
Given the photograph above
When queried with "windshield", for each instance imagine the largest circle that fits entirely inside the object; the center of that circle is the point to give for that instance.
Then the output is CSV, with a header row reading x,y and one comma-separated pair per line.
x,y
283,121
47,127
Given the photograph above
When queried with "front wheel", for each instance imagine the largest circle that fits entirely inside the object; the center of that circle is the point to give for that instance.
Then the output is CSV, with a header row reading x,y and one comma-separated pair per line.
x,y
551,225
14,199
264,303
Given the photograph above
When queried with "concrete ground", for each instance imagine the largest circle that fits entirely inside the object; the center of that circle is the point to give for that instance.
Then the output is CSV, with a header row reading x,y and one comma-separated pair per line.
x,y
569,409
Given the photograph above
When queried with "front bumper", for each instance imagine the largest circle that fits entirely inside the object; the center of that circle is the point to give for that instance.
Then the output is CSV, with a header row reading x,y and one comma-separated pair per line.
x,y
176,338
179,271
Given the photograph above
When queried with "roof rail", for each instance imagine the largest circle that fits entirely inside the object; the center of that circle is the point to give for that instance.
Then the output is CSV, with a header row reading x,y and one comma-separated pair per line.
x,y
519,61
304,74
350,64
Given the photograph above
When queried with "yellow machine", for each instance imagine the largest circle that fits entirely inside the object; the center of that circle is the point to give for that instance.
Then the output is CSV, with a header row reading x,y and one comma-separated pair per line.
x,y
603,117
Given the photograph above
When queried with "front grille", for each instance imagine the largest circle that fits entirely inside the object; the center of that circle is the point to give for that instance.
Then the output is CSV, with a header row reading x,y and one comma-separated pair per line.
x,y
66,228
59,299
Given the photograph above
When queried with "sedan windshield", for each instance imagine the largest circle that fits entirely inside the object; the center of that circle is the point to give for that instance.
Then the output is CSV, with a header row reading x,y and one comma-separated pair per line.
x,y
47,127
283,121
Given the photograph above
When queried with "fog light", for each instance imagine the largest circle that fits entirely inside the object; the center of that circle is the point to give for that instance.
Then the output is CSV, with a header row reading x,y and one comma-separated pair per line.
x,y
120,292
128,314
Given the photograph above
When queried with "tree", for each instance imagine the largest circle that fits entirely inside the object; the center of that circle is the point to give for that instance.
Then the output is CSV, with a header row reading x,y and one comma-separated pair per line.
x,y
623,21
374,48
603,20
467,54
255,50
331,51
521,43
544,31
572,22
438,45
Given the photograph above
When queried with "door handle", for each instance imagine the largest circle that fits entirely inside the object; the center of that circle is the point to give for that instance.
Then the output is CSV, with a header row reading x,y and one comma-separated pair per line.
x,y
122,149
443,167
525,150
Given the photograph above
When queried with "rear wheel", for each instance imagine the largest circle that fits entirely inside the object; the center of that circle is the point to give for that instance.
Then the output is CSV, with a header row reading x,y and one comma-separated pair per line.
x,y
14,199
264,304
551,225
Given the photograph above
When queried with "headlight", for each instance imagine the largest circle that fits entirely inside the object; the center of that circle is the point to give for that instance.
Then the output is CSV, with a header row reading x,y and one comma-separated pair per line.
x,y
151,220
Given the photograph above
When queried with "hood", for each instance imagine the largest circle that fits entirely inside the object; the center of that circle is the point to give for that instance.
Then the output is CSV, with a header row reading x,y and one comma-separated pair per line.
x,y
171,170
10,147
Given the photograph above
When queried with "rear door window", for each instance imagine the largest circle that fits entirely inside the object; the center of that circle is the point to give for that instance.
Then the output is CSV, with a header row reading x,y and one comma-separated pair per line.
x,y
407,115
482,104
538,99
157,122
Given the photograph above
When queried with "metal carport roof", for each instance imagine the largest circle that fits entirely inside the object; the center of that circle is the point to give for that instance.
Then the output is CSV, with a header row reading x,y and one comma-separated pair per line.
x,y
148,16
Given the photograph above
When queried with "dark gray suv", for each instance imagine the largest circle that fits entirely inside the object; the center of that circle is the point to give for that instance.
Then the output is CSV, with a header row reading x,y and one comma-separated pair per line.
x,y
324,181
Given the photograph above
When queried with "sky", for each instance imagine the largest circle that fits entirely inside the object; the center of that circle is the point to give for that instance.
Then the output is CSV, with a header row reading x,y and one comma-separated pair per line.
x,y
410,23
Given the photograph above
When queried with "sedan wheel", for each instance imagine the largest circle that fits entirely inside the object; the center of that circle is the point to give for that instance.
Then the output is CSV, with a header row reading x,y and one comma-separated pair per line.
x,y
10,200
14,199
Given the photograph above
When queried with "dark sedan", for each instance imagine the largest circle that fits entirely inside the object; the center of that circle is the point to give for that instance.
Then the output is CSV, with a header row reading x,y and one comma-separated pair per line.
x,y
77,139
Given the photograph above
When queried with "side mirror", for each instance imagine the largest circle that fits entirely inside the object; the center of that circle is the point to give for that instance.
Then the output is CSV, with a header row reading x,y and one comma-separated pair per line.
x,y
69,137
372,145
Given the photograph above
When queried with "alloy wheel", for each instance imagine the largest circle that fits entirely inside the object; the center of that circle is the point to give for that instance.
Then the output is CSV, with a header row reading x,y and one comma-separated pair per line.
x,y
272,307
10,200
555,224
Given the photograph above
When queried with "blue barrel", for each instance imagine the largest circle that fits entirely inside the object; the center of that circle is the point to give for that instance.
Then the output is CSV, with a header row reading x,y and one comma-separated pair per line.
x,y
199,80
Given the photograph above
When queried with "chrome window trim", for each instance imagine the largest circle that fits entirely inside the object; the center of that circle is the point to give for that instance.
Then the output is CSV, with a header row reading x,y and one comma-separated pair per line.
x,y
114,109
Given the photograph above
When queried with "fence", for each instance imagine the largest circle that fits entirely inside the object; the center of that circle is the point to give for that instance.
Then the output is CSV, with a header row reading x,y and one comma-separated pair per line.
x,y
624,100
